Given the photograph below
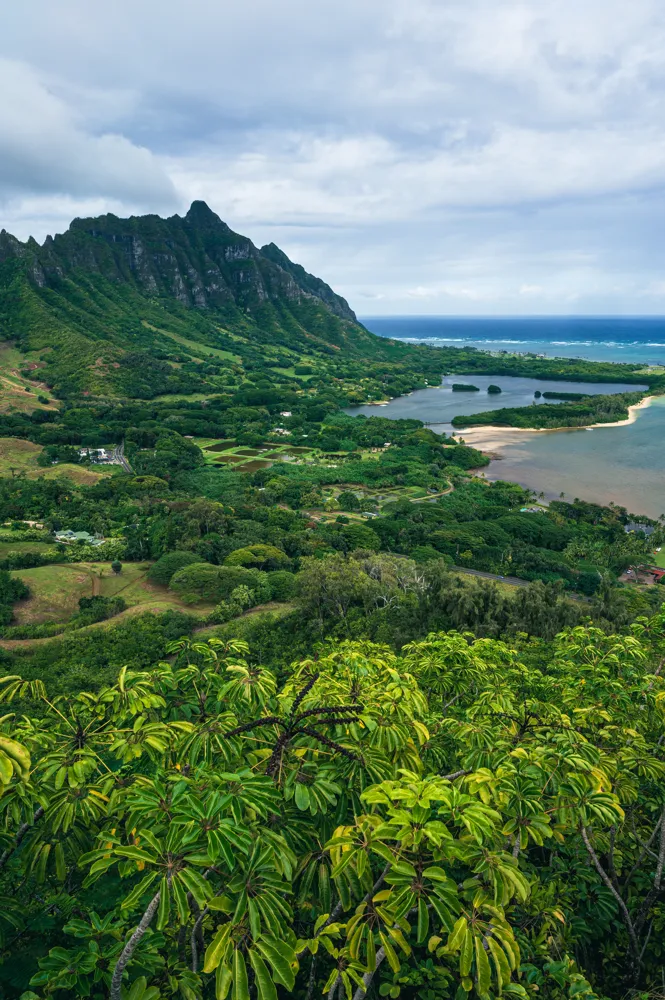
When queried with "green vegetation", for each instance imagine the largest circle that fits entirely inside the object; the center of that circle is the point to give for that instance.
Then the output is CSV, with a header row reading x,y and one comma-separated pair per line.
x,y
588,410
566,396
465,817
463,387
272,737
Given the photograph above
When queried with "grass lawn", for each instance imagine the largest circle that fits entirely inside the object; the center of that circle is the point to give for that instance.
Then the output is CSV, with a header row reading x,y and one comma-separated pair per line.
x,y
659,559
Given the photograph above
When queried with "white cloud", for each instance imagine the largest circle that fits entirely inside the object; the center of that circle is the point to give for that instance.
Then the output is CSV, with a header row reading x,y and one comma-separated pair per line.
x,y
43,150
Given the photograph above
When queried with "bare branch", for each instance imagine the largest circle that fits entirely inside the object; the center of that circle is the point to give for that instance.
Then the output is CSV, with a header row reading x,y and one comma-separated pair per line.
x,y
608,882
130,947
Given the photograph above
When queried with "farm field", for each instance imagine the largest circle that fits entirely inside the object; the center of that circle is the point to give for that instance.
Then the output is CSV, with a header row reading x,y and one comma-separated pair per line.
x,y
220,451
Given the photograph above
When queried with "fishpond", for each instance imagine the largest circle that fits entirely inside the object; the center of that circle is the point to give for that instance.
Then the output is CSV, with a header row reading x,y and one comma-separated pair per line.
x,y
624,464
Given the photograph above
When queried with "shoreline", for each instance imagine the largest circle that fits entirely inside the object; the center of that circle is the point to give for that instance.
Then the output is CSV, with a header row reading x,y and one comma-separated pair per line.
x,y
498,428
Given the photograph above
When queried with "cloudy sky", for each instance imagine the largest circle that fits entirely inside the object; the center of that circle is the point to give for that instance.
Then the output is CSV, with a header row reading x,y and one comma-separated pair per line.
x,y
423,156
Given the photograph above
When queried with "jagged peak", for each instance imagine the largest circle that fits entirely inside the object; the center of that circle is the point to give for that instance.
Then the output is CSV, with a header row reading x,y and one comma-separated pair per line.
x,y
200,214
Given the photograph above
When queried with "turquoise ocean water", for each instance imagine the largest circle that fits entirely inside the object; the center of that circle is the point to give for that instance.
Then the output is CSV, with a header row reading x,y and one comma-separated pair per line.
x,y
625,464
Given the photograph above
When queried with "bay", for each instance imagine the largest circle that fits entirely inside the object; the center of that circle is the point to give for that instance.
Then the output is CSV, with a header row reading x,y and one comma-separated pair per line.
x,y
623,464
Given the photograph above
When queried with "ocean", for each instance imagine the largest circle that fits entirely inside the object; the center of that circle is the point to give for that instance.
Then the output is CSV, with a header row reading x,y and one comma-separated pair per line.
x,y
635,339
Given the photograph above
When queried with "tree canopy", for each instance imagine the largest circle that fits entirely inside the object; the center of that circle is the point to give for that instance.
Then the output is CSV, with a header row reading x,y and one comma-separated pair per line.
x,y
466,818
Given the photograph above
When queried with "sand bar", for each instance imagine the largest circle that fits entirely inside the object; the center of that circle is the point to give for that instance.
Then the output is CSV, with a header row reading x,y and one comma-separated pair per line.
x,y
490,437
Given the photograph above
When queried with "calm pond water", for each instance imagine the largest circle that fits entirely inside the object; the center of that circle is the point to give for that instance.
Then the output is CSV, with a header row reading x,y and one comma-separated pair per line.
x,y
440,404
625,464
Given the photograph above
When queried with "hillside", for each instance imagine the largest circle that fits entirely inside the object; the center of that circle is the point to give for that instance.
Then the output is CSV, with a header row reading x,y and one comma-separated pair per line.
x,y
133,307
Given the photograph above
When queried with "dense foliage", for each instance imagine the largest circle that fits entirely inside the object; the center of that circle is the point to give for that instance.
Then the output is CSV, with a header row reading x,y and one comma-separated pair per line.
x,y
468,818
582,412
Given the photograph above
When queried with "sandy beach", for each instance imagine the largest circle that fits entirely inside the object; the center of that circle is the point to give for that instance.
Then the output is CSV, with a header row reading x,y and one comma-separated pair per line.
x,y
490,437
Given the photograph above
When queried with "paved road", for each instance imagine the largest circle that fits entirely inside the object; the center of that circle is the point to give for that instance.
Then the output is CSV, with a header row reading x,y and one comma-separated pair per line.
x,y
119,456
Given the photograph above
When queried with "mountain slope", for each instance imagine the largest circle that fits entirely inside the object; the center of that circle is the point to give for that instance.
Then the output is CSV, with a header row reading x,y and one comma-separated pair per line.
x,y
133,306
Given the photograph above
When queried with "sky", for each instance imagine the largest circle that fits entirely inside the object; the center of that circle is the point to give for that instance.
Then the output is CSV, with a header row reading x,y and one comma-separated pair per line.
x,y
458,157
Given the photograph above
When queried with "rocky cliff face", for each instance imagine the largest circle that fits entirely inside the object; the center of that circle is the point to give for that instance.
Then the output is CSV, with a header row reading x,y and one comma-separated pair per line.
x,y
197,260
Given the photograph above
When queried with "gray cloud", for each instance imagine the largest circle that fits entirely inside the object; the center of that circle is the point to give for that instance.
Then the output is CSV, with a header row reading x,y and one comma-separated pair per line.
x,y
44,150
421,156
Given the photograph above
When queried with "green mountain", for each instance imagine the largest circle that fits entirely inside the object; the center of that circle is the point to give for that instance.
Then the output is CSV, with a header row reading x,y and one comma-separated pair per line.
x,y
138,307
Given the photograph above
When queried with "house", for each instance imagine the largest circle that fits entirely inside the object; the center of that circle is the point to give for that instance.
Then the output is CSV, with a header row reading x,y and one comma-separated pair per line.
x,y
96,454
69,537
285,413
634,526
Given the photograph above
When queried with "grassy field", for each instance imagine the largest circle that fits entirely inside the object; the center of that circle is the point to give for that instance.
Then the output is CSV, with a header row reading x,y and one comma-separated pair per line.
x,y
55,591
17,548
195,346
13,395
17,456
659,559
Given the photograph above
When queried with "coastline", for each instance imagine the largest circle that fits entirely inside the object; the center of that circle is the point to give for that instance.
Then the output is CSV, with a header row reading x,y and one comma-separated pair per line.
x,y
497,429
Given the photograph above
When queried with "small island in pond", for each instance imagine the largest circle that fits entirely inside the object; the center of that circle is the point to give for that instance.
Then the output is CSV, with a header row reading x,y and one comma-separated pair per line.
x,y
464,387
494,389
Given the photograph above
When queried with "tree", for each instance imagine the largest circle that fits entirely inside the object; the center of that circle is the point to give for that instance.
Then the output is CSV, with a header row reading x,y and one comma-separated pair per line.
x,y
259,555
168,564
116,566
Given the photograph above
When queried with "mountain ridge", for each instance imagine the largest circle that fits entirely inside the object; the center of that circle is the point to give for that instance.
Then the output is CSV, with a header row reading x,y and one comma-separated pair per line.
x,y
128,284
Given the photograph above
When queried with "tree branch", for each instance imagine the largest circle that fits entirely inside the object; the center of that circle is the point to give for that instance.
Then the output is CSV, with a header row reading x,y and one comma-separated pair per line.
x,y
608,882
369,976
130,947
20,834
337,912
